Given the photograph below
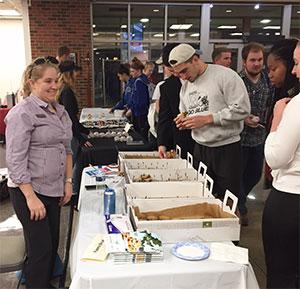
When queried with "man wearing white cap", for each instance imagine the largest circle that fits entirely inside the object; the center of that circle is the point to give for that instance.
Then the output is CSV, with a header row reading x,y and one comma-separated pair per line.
x,y
214,103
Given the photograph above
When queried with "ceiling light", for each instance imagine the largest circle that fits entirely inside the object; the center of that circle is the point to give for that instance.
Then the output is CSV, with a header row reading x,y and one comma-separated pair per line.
x,y
268,34
236,34
144,20
181,26
94,25
256,6
158,35
265,21
195,35
123,26
228,11
277,33
227,27
96,34
172,34
95,48
155,10
272,27
9,12
211,5
118,34
298,12
260,33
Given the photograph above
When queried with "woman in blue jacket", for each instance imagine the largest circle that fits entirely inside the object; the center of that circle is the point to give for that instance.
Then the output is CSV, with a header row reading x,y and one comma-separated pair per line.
x,y
139,103
124,76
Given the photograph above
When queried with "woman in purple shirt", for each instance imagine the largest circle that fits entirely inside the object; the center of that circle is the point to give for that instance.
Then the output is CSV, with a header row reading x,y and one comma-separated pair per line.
x,y
39,161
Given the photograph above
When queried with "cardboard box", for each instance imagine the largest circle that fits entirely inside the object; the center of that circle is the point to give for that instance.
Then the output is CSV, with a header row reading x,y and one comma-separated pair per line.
x,y
165,190
141,155
167,175
137,164
205,230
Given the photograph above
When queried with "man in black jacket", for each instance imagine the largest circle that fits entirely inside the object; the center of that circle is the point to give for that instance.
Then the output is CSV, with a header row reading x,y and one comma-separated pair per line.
x,y
168,135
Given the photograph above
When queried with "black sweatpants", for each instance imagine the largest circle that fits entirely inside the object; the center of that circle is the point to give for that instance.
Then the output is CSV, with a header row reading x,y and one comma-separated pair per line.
x,y
224,166
140,125
280,230
41,237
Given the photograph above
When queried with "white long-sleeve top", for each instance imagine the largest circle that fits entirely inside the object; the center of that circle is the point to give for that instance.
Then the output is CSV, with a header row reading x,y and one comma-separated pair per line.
x,y
282,149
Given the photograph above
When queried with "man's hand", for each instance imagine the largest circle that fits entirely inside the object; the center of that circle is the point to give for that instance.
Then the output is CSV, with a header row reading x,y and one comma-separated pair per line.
x,y
67,194
252,121
162,151
191,122
36,208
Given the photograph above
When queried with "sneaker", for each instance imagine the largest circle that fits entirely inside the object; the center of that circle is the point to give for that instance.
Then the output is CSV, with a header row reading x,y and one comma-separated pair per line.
x,y
244,221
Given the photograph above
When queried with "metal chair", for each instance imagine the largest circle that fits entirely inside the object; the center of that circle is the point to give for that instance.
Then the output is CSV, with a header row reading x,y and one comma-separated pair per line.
x,y
12,253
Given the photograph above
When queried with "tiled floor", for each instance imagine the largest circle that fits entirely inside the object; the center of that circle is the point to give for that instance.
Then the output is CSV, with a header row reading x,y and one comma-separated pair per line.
x,y
250,236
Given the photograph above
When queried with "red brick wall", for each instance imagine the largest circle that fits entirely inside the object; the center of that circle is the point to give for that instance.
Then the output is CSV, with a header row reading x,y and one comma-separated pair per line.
x,y
60,23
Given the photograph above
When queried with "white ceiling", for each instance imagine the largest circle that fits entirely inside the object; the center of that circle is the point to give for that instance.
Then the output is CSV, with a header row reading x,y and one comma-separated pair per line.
x,y
11,4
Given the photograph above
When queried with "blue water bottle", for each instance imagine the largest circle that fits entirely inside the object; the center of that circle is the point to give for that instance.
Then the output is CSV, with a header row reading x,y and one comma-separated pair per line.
x,y
109,201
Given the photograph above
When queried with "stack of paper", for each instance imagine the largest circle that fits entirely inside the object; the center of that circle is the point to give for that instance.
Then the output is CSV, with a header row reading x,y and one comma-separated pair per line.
x,y
229,253
130,247
139,247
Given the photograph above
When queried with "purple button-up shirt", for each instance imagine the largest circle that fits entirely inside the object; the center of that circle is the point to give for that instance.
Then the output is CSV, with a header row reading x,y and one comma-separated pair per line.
x,y
37,142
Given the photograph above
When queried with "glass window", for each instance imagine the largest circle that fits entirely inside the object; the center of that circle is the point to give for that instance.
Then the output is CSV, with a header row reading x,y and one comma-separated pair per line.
x,y
246,22
107,57
109,22
145,51
184,23
295,22
147,22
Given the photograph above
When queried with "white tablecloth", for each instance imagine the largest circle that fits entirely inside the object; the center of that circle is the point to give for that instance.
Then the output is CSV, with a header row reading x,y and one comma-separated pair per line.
x,y
172,273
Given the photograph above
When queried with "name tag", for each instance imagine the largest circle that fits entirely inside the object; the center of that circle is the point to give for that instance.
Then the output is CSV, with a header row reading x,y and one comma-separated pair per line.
x,y
41,115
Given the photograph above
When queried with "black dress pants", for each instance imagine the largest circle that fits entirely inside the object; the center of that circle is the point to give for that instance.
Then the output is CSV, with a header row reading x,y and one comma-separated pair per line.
x,y
141,126
41,237
224,166
281,230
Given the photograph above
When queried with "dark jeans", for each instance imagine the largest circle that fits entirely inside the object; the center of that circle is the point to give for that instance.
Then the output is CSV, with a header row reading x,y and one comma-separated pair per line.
x,y
223,166
252,164
41,238
141,126
280,231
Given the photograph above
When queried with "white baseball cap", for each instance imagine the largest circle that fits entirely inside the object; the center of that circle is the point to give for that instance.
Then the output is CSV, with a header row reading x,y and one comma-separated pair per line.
x,y
159,61
181,54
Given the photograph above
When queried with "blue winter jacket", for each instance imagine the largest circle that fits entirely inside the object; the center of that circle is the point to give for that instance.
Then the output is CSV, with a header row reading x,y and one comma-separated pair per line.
x,y
126,97
140,96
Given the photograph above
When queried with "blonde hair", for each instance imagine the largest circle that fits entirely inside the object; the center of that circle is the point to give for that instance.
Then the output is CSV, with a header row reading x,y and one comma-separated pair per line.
x,y
34,71
66,79
149,63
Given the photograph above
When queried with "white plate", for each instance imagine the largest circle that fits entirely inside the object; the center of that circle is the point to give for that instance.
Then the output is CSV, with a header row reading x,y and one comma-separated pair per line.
x,y
191,251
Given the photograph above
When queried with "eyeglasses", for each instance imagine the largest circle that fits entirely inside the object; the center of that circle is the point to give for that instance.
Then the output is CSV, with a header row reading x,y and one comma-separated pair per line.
x,y
42,60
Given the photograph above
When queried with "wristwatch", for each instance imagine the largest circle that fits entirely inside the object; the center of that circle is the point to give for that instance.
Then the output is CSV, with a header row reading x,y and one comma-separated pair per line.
x,y
69,180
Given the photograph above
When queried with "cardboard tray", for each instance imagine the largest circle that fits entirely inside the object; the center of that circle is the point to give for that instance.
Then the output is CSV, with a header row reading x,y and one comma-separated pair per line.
x,y
169,175
205,230
152,155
